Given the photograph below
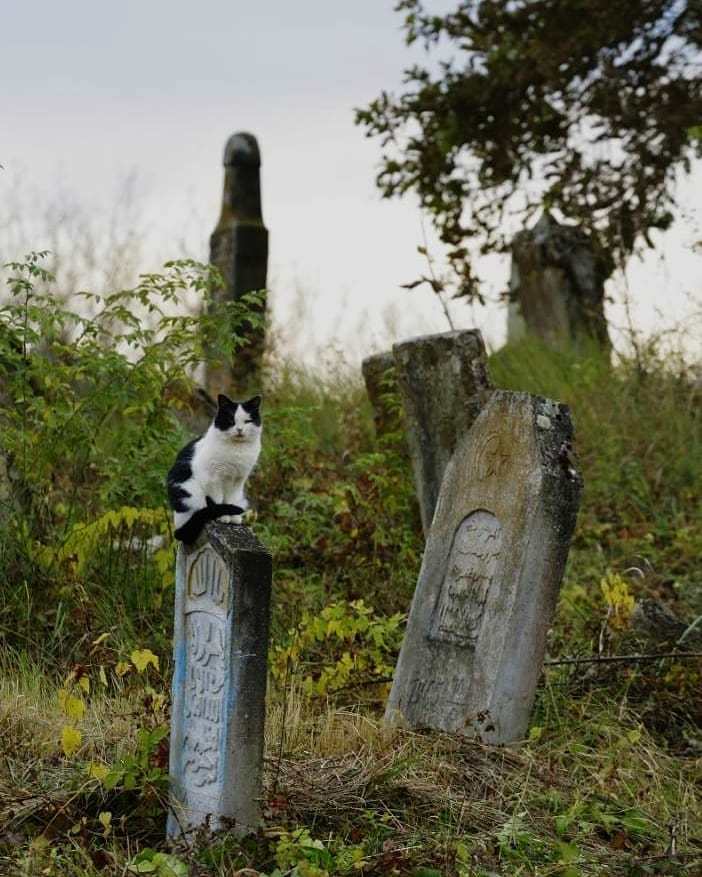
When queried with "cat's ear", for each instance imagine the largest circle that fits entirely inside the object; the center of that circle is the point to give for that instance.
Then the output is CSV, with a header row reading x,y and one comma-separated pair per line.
x,y
253,404
224,401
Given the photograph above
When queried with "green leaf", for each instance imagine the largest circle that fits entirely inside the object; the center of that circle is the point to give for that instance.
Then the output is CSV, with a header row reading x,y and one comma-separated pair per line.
x,y
149,861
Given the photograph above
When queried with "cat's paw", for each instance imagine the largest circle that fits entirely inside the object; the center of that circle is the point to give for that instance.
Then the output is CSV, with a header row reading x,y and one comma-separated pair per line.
x,y
231,519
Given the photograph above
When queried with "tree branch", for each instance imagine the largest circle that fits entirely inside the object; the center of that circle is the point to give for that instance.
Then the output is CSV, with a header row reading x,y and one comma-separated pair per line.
x,y
622,659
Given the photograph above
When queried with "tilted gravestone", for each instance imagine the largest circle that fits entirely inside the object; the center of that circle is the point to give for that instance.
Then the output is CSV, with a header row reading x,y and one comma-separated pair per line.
x,y
239,249
222,611
493,563
557,285
443,384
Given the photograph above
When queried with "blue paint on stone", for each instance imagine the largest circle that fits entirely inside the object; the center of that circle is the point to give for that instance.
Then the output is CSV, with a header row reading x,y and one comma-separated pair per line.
x,y
222,611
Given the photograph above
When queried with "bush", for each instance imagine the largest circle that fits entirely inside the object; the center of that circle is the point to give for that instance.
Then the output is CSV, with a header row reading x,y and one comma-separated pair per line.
x,y
90,394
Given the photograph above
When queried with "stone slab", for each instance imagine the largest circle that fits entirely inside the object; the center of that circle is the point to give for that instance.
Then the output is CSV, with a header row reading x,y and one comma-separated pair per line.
x,y
222,610
492,569
557,285
443,383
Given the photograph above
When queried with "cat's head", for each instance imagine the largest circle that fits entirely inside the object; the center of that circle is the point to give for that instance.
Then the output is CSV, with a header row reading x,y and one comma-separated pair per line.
x,y
239,421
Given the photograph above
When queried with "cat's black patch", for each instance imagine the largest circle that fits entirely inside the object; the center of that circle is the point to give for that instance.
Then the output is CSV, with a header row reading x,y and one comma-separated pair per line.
x,y
253,409
178,474
176,497
226,409
192,528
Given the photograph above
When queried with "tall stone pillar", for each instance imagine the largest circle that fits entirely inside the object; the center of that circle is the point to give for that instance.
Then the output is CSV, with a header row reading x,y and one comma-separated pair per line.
x,y
239,249
557,285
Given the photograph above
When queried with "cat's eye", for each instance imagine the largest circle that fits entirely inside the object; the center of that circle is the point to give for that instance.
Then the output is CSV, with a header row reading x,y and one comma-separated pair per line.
x,y
248,421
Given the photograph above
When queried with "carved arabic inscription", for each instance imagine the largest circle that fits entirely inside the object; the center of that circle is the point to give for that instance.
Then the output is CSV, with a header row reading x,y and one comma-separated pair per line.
x,y
208,583
470,574
206,608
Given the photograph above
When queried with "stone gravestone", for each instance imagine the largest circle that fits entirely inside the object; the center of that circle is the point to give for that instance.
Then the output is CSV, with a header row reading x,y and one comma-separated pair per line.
x,y
443,384
239,248
557,285
492,569
222,610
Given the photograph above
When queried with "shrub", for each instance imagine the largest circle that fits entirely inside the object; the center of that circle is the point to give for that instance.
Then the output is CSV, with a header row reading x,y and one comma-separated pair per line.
x,y
90,393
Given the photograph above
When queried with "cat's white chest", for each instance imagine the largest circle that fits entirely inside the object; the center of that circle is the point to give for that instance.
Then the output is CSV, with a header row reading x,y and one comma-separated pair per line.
x,y
226,463
224,469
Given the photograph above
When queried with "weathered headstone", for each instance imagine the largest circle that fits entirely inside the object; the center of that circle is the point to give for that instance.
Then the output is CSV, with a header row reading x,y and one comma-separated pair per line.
x,y
557,285
381,381
492,569
443,384
222,614
239,248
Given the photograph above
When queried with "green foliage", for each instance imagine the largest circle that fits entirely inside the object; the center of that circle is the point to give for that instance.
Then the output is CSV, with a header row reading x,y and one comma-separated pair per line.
x,y
638,437
337,510
298,854
142,768
343,645
91,387
611,758
150,861
589,106
123,524
90,393
137,770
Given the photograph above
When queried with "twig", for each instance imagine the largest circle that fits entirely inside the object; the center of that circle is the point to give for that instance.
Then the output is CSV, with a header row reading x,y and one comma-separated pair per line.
x,y
683,856
603,659
612,659
436,285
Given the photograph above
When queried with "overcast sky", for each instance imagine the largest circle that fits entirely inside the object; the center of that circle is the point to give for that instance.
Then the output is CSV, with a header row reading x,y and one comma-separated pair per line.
x,y
90,92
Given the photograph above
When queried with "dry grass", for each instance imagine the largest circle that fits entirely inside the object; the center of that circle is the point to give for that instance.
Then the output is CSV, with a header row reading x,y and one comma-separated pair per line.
x,y
344,776
344,763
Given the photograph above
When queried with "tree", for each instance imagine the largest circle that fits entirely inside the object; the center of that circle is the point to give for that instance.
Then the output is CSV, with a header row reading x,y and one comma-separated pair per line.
x,y
591,107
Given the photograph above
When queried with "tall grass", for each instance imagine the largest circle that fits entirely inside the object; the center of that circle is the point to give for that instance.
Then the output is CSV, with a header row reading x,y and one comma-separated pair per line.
x,y
613,756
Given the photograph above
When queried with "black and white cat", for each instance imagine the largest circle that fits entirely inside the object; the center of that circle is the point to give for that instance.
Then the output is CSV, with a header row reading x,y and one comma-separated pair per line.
x,y
208,477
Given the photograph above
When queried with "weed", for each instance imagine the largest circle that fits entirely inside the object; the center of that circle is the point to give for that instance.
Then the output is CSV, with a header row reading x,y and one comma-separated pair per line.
x,y
608,780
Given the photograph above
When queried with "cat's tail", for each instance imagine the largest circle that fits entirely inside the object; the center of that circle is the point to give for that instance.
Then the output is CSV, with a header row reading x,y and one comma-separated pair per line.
x,y
192,528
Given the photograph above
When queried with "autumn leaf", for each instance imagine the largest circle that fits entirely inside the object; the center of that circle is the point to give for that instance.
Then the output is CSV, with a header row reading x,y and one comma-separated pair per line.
x,y
122,668
72,706
97,771
619,601
141,658
105,819
70,740
100,639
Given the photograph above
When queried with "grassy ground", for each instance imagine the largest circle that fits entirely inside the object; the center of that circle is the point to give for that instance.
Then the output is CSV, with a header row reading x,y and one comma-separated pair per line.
x,y
609,781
